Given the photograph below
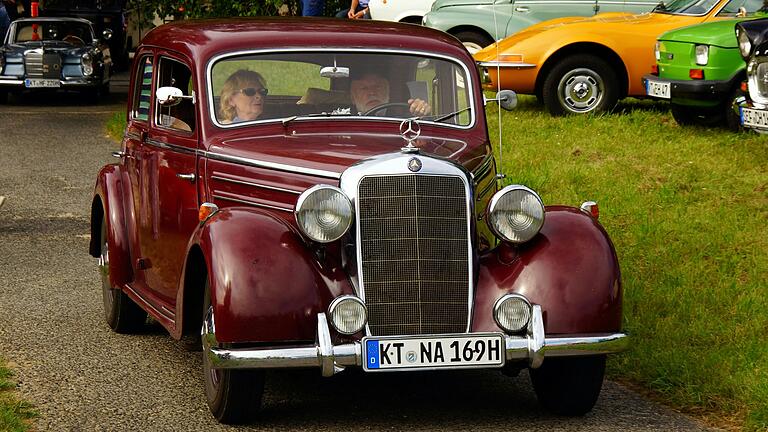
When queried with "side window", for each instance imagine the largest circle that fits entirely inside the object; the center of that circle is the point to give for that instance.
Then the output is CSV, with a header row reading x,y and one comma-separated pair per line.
x,y
180,116
143,90
732,8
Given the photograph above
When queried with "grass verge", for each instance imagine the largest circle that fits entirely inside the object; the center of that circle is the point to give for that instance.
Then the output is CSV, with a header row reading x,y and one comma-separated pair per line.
x,y
116,126
14,414
686,208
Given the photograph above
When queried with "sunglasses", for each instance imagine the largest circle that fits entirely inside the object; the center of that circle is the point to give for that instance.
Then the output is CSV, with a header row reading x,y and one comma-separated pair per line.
x,y
251,91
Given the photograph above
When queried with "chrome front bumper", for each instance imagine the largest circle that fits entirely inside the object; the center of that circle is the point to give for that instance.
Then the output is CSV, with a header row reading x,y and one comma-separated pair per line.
x,y
331,359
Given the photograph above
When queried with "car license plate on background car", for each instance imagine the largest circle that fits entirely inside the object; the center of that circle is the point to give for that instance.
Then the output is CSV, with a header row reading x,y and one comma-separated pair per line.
x,y
459,351
657,89
754,118
30,83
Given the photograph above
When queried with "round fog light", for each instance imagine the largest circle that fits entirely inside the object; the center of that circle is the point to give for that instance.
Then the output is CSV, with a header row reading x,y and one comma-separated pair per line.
x,y
512,312
348,314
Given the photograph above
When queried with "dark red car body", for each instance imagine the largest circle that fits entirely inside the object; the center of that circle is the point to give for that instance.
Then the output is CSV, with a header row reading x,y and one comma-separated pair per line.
x,y
268,283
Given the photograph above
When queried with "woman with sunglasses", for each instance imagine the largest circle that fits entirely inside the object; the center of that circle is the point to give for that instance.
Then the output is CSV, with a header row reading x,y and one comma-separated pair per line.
x,y
242,97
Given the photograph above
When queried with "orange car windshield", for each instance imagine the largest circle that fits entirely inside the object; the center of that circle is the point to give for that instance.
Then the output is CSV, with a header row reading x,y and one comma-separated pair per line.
x,y
686,7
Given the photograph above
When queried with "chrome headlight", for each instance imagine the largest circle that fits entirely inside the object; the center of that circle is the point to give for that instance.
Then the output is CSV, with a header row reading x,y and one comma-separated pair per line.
x,y
745,45
348,314
516,214
323,213
87,61
512,312
702,54
657,50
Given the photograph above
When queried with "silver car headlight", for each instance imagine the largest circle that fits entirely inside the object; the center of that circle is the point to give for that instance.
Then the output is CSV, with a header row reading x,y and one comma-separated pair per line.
x,y
657,50
516,214
702,54
745,45
87,62
348,314
323,213
512,312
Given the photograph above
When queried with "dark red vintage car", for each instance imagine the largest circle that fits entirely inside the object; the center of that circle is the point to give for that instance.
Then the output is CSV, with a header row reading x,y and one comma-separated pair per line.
x,y
324,194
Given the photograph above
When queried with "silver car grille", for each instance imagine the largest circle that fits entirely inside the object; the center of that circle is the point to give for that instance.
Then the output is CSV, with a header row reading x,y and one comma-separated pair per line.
x,y
414,254
761,71
42,65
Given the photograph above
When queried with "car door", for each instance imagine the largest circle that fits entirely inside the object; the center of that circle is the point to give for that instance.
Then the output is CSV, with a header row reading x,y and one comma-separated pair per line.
x,y
541,10
168,175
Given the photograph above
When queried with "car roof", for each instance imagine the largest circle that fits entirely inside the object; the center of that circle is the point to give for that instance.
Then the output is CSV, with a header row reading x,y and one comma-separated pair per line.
x,y
202,39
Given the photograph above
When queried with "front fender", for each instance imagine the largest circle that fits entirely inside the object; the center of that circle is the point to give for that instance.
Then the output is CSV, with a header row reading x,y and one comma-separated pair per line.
x,y
267,285
108,202
570,269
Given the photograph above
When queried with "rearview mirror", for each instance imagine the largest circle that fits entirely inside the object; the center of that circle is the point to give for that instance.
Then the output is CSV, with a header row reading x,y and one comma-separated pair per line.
x,y
169,96
334,72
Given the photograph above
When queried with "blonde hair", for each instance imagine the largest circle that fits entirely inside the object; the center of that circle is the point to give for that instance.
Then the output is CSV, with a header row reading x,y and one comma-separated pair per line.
x,y
239,79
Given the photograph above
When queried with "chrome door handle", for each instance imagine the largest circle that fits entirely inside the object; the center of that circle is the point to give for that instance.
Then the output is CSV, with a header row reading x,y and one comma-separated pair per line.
x,y
523,9
118,154
190,177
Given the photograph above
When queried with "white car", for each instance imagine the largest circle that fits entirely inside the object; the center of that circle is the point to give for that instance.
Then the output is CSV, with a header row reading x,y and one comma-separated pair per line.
x,y
408,11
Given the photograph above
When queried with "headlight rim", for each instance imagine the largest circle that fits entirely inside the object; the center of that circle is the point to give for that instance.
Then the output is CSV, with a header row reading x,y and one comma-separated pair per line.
x,y
302,199
494,201
501,300
335,304
747,41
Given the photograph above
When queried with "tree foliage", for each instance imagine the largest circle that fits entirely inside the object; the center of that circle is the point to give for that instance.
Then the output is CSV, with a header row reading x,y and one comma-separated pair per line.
x,y
225,8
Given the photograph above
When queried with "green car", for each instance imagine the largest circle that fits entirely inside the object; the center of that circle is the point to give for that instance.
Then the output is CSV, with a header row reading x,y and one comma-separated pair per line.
x,y
474,23
700,71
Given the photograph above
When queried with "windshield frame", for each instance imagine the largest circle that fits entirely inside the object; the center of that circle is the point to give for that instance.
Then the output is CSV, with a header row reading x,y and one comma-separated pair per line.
x,y
693,15
219,57
14,28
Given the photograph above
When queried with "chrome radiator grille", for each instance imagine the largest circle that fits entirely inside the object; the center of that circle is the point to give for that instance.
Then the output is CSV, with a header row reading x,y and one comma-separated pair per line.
x,y
414,250
761,81
42,65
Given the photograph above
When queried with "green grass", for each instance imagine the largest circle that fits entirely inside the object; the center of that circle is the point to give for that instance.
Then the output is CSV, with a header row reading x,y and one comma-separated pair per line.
x,y
14,414
687,210
116,126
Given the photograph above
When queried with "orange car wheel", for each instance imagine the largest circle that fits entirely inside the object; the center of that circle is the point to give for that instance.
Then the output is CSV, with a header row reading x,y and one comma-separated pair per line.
x,y
579,85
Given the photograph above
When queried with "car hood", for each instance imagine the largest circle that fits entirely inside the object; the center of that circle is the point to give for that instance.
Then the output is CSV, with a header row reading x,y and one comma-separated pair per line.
x,y
718,33
446,3
335,153
607,24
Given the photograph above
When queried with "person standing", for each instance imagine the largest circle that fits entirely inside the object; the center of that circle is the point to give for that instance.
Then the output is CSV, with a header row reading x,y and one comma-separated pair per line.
x,y
5,21
312,7
357,10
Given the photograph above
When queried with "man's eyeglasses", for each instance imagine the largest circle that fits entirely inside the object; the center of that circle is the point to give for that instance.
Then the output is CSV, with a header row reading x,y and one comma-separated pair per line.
x,y
251,91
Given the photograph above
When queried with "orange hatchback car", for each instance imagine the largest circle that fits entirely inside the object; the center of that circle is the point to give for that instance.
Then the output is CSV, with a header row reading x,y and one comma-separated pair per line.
x,y
577,65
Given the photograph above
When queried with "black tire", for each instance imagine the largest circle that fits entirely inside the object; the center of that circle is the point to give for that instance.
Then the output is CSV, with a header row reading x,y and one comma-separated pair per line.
x,y
473,41
580,84
121,313
569,386
233,395
732,119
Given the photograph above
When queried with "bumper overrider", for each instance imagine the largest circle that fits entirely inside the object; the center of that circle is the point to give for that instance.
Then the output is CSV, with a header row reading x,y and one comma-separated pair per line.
x,y
532,346
696,90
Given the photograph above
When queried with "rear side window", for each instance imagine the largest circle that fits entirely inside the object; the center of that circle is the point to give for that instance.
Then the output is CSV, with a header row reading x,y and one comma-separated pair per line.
x,y
180,116
143,90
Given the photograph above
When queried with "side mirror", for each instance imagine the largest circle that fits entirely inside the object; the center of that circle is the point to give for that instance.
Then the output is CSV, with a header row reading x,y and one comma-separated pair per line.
x,y
169,96
106,34
507,99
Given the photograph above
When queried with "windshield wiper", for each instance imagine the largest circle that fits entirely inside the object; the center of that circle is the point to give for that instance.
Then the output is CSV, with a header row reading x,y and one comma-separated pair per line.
x,y
287,120
445,116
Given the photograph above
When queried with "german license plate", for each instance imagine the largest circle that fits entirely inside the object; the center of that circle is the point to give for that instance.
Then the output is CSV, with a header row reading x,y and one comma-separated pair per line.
x,y
49,83
657,89
754,118
434,352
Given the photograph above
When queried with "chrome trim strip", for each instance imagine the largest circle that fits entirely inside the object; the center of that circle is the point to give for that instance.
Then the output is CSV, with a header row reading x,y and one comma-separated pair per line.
x,y
482,169
172,147
507,64
252,203
214,59
3,81
257,185
271,165
164,312
133,136
533,346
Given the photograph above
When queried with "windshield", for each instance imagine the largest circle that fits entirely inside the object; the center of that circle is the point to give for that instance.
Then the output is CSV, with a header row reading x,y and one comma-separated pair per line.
x,y
686,7
75,33
271,86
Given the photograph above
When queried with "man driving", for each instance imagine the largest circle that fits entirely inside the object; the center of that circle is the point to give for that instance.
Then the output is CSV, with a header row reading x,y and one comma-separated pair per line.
x,y
369,90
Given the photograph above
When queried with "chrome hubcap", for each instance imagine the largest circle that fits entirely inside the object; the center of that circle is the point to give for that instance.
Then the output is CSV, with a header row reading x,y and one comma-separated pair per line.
x,y
580,90
106,285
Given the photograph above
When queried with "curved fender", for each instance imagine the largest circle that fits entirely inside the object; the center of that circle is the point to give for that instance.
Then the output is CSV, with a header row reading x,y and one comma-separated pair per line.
x,y
109,189
266,284
570,269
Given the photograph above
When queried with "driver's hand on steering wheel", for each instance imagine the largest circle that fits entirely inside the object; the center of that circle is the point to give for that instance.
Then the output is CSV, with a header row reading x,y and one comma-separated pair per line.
x,y
419,107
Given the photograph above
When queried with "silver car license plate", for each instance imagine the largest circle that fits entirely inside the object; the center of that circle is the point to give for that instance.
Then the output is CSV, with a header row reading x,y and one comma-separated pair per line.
x,y
36,82
657,89
754,118
434,352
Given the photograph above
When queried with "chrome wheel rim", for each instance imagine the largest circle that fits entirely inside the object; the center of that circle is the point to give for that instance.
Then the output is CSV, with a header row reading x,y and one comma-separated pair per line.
x,y
581,90
108,293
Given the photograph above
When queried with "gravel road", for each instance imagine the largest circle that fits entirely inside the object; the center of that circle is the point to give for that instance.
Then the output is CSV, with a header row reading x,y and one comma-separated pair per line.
x,y
83,377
